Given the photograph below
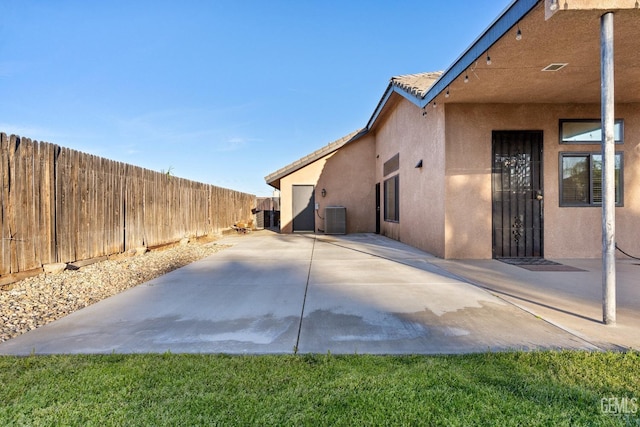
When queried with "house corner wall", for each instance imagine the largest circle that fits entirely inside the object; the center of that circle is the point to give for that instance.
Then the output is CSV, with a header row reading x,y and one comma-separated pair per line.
x,y
348,179
416,137
467,184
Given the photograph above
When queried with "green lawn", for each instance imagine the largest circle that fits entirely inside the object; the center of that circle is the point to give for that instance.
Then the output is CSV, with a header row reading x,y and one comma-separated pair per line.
x,y
537,388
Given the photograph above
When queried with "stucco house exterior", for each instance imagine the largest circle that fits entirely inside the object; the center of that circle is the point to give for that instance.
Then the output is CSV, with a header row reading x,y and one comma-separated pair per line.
x,y
499,155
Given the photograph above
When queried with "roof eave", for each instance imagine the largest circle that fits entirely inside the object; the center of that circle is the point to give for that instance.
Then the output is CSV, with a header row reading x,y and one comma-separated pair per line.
x,y
391,89
274,178
513,13
494,32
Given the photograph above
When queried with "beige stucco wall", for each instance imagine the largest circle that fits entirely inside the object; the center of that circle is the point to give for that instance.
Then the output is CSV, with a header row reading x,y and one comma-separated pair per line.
x,y
347,175
405,130
568,232
349,180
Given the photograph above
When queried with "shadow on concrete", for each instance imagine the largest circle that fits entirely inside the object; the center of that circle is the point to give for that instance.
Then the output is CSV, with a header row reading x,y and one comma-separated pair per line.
x,y
272,293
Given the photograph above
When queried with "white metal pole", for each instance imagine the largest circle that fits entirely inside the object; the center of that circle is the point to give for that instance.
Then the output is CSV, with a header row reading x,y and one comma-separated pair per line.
x,y
608,172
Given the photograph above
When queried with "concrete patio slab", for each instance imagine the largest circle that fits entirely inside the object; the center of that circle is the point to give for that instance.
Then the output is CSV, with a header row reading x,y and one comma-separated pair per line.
x,y
271,293
569,299
234,305
389,306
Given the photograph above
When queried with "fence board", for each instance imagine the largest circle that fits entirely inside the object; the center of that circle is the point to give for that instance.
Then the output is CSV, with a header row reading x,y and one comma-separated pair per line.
x,y
98,179
5,250
63,243
30,258
37,229
48,244
14,190
76,226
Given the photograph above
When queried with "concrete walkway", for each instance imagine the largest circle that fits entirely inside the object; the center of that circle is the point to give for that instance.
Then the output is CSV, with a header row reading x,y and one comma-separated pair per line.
x,y
364,293
570,299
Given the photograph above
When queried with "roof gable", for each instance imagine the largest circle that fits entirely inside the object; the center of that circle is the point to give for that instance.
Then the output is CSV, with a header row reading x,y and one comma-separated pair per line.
x,y
416,84
274,178
413,87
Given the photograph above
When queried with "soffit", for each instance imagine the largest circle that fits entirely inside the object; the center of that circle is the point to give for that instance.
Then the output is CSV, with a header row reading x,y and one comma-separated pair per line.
x,y
572,37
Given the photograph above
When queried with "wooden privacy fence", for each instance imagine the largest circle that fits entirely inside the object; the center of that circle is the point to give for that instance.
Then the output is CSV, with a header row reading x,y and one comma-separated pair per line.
x,y
60,205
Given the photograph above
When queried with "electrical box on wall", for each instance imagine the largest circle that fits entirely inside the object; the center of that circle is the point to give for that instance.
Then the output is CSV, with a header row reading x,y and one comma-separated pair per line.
x,y
335,220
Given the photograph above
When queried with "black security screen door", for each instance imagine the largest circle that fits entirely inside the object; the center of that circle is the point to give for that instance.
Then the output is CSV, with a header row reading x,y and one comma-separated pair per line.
x,y
517,194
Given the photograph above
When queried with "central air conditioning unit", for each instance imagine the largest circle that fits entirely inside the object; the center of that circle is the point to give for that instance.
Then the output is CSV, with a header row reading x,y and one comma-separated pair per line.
x,y
335,220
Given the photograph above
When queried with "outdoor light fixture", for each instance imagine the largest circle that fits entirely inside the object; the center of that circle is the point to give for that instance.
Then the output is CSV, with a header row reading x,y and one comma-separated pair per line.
x,y
466,78
323,192
488,59
519,33
434,104
446,95
553,5
419,165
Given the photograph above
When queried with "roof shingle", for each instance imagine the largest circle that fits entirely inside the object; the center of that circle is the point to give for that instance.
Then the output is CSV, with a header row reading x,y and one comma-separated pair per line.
x,y
416,84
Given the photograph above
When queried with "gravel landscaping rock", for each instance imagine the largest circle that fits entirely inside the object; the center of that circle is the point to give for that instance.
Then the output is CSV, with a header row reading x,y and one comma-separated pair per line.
x,y
41,299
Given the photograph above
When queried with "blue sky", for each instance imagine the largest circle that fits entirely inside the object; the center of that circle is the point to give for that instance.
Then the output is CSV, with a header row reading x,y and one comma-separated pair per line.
x,y
222,92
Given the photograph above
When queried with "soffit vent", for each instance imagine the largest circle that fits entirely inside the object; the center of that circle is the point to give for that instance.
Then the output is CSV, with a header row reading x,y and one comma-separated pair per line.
x,y
554,67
